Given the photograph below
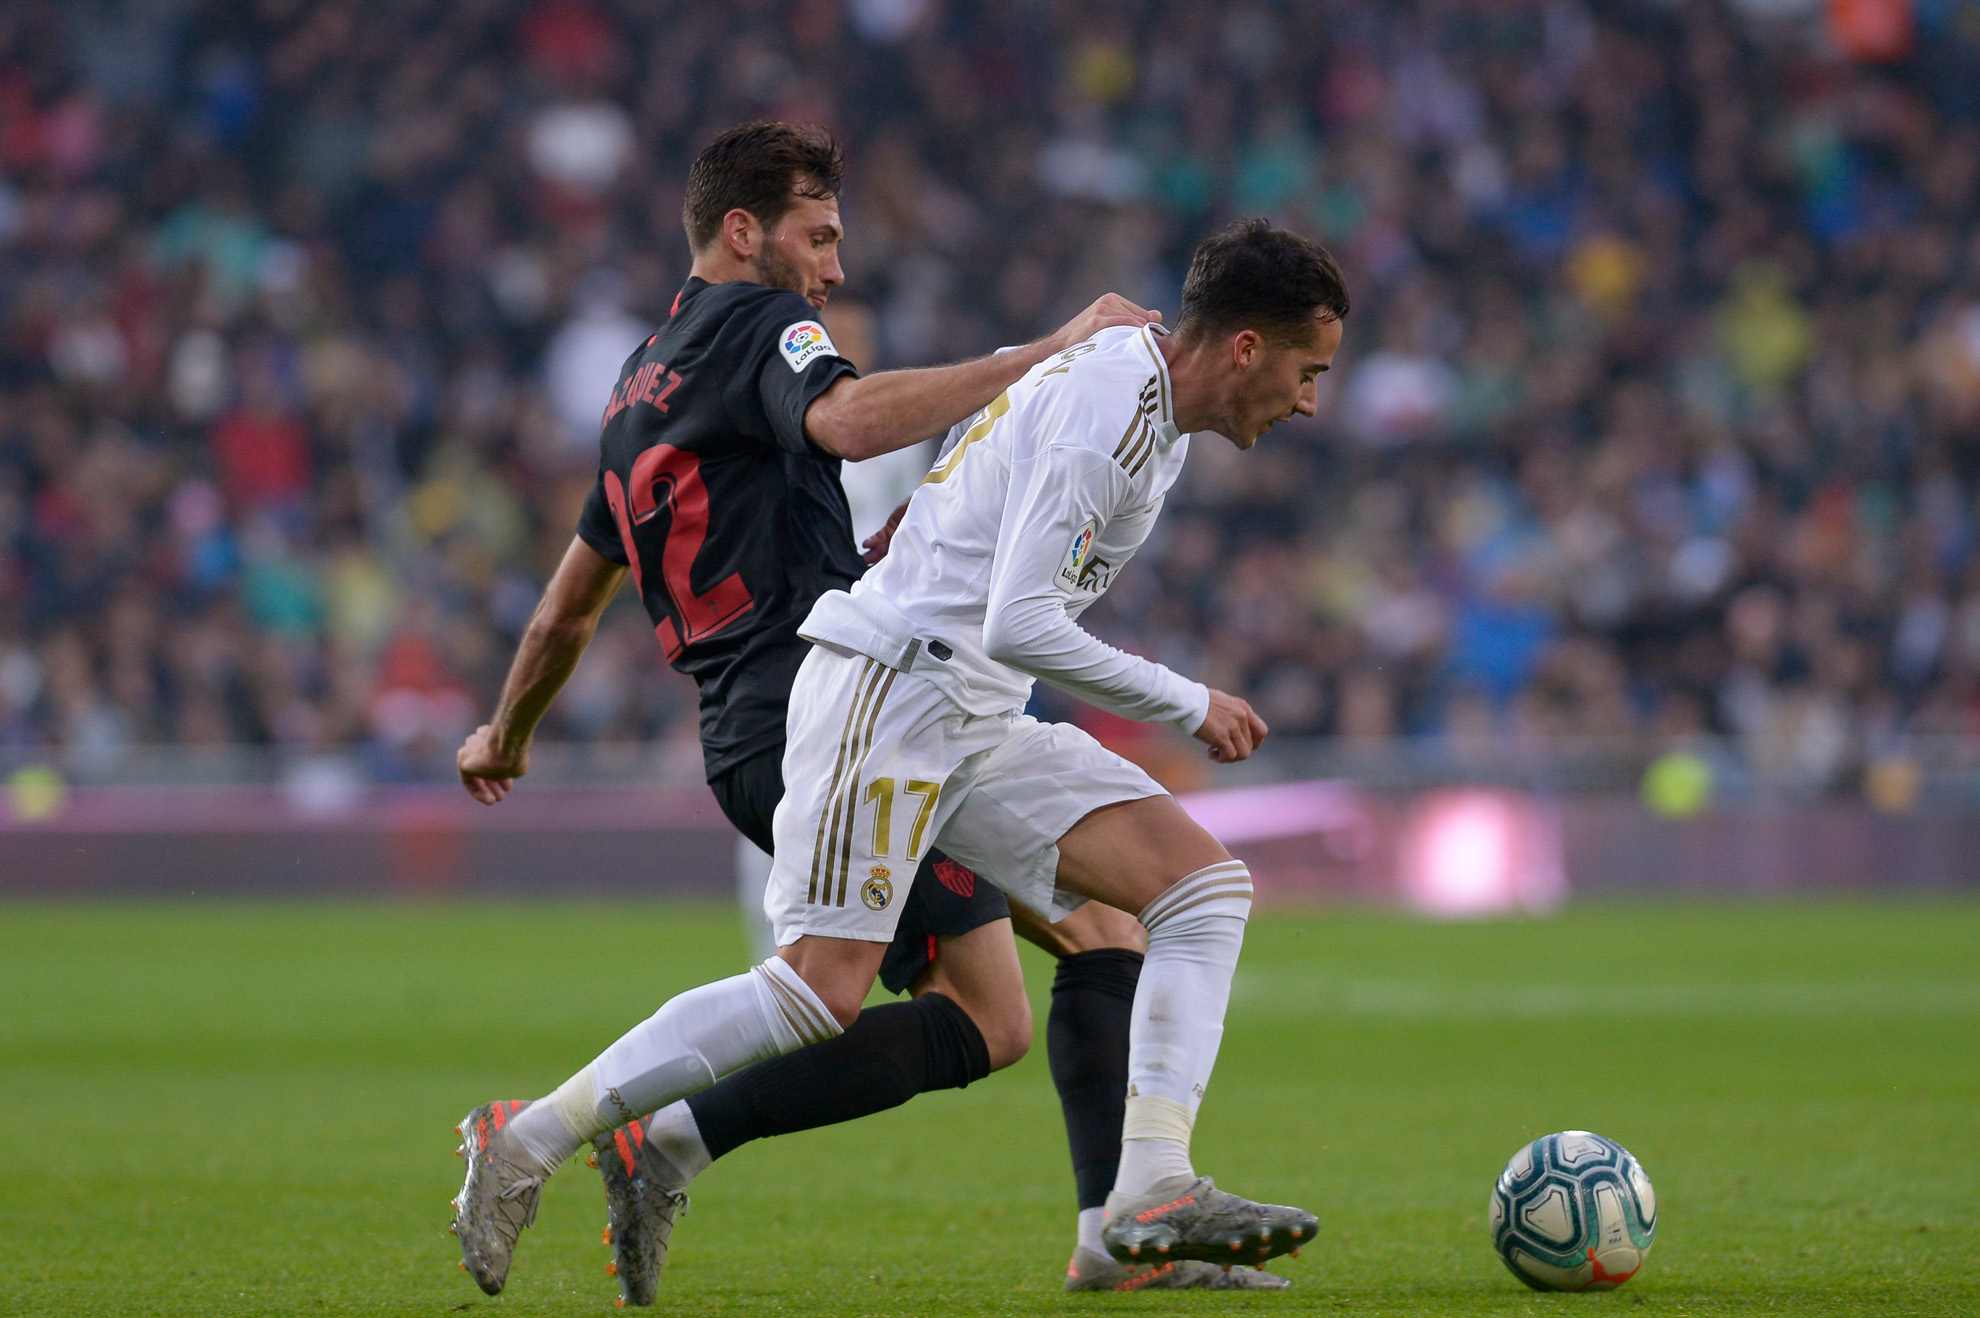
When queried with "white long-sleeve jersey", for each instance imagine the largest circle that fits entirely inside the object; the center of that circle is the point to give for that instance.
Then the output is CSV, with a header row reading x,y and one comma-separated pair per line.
x,y
1037,502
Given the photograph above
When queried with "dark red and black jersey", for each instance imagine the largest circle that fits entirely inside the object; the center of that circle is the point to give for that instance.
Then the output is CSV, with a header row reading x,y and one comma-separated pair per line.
x,y
732,521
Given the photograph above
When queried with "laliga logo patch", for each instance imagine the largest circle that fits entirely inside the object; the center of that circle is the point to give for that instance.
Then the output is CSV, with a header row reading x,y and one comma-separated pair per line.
x,y
804,343
1071,566
877,891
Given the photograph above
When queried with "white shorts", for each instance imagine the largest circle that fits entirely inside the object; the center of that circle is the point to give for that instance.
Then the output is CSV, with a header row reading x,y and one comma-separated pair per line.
x,y
879,766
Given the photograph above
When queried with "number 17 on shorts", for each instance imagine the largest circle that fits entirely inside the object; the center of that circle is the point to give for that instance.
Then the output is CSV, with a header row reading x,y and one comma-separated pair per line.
x,y
868,751
879,766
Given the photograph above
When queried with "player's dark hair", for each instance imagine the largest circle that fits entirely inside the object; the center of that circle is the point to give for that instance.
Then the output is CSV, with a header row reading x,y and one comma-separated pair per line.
x,y
1253,276
763,168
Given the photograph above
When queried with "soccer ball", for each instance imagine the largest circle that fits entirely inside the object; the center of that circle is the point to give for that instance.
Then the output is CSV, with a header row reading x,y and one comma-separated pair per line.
x,y
1573,1212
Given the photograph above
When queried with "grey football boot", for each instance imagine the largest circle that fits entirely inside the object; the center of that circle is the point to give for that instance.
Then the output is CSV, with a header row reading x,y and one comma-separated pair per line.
x,y
498,1199
1202,1222
639,1209
1089,1271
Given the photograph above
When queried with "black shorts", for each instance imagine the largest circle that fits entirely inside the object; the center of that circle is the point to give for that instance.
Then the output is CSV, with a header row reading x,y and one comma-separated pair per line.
x,y
946,899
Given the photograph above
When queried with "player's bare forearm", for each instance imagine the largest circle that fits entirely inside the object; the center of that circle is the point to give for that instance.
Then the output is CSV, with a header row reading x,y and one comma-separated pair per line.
x,y
497,753
554,641
544,661
863,418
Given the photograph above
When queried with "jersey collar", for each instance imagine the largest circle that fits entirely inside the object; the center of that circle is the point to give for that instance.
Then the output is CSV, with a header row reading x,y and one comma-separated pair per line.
x,y
694,284
1165,416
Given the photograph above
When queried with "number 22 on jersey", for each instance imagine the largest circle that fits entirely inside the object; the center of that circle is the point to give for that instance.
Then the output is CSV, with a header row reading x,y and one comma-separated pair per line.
x,y
667,476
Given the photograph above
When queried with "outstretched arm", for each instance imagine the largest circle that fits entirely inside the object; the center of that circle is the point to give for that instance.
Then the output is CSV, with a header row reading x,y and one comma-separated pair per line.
x,y
1055,499
497,753
863,417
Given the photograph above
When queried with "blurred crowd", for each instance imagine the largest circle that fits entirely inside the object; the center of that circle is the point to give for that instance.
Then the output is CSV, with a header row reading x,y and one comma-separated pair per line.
x,y
1659,412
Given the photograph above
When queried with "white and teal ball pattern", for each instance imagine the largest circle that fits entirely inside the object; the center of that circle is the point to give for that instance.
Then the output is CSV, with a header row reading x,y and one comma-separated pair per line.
x,y
1573,1212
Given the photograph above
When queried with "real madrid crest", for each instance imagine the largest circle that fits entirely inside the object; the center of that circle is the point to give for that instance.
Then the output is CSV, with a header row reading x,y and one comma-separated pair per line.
x,y
878,889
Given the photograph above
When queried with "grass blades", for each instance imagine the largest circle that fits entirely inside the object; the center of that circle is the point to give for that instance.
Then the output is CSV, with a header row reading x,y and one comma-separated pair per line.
x,y
248,1109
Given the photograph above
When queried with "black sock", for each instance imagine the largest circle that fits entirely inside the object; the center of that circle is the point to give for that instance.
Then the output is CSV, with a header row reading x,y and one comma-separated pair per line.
x,y
1086,1038
888,1055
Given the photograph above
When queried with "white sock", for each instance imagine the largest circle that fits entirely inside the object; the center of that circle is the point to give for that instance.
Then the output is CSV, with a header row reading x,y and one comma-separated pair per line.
x,y
1090,1222
694,1040
1155,1147
1195,931
674,1136
544,1128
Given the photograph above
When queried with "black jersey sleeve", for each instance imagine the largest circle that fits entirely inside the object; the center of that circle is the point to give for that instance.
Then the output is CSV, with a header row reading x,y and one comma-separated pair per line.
x,y
796,361
597,527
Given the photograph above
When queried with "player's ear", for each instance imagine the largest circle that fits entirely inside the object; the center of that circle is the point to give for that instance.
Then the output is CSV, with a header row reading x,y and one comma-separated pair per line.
x,y
1246,346
741,233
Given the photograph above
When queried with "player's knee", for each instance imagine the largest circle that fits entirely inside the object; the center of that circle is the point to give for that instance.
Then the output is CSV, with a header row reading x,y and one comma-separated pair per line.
x,y
837,994
838,972
1094,927
1003,1019
1193,855
1131,852
842,1001
1221,891
1006,1033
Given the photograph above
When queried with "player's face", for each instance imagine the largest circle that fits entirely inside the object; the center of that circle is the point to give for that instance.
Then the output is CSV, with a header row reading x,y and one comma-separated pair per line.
x,y
1276,380
802,252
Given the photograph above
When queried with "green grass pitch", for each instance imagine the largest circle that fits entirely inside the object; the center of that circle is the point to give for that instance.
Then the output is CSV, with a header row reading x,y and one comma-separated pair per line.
x,y
248,1109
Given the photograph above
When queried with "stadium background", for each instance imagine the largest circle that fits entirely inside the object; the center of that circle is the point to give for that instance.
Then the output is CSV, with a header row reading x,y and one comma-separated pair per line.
x,y
1652,447
1635,551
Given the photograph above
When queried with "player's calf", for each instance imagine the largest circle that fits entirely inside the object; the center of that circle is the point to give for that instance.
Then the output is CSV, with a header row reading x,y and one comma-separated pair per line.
x,y
979,972
1161,1211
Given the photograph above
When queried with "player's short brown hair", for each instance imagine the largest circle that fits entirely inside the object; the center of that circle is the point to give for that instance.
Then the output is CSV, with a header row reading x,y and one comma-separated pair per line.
x,y
763,168
1253,276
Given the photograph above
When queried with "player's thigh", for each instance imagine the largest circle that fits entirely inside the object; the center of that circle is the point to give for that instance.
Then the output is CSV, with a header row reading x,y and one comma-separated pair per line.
x,y
867,752
954,939
1129,853
1091,928
947,900
979,972
1015,802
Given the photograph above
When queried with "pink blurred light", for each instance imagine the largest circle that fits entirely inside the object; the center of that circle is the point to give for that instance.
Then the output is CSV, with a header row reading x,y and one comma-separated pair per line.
x,y
1235,815
1474,853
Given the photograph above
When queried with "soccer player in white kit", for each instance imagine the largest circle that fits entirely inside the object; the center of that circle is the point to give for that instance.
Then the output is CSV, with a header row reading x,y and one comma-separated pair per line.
x,y
906,731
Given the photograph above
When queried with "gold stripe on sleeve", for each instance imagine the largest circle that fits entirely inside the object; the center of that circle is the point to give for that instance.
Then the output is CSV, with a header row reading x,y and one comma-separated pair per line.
x,y
1143,448
1127,439
1161,373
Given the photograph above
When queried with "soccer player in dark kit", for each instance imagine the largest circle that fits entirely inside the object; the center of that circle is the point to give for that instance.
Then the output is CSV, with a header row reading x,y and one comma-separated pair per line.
x,y
718,490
